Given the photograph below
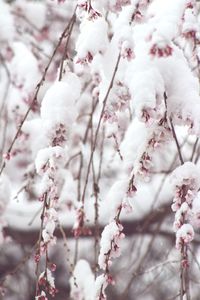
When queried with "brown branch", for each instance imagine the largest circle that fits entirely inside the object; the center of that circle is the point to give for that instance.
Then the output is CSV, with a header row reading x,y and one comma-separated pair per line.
x,y
98,128
194,149
64,57
174,133
30,236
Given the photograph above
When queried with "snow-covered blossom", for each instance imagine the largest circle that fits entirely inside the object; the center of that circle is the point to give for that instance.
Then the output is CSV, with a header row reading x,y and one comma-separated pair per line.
x,y
190,27
46,282
100,285
50,159
184,235
186,183
119,196
79,227
92,40
42,296
58,113
50,219
110,244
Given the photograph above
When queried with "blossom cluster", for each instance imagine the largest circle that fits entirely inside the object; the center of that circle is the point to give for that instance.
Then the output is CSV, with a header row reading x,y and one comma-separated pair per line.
x,y
110,244
46,285
57,121
186,183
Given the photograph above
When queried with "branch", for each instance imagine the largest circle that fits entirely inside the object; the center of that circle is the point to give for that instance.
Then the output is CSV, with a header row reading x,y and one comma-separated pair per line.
x,y
174,133
142,226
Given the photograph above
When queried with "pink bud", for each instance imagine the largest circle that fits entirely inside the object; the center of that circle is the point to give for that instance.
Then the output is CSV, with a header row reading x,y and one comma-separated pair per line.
x,y
37,258
6,156
53,267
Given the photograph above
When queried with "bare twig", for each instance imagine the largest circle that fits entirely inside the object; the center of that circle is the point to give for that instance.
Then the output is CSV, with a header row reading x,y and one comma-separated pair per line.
x,y
98,128
71,25
174,133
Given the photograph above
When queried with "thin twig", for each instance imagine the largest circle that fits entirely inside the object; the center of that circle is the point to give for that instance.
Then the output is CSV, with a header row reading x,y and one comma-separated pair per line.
x,y
194,149
98,128
72,22
174,133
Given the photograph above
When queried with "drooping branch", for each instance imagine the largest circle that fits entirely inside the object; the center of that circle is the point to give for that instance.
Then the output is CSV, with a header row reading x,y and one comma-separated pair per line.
x,y
135,227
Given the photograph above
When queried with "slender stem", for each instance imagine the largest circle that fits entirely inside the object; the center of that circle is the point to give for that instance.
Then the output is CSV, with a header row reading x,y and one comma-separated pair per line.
x,y
98,128
176,141
174,133
72,22
194,149
39,241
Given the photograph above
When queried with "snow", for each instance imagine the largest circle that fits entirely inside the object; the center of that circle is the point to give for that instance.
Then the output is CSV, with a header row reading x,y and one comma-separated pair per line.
x,y
47,233
158,57
34,11
147,89
68,192
5,192
34,128
7,29
84,279
24,67
115,196
92,38
58,104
